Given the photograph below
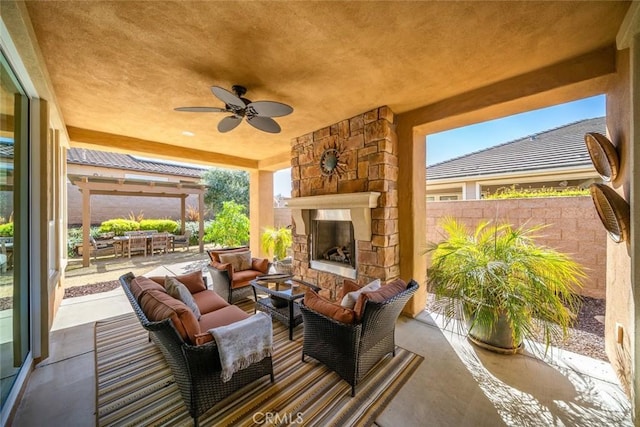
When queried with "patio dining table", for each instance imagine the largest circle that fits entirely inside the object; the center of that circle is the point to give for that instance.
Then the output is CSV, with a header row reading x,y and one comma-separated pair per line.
x,y
121,243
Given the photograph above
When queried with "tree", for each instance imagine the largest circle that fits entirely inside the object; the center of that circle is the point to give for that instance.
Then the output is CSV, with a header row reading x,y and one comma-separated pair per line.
x,y
230,228
225,185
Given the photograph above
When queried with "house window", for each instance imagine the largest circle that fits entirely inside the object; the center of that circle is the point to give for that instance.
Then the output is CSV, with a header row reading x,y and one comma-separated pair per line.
x,y
446,198
14,228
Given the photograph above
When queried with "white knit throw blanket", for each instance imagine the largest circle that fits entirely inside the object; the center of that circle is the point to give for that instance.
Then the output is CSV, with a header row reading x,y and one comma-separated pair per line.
x,y
243,343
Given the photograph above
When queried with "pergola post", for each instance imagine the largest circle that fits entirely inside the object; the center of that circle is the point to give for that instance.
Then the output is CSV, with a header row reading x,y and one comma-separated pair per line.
x,y
201,219
183,210
86,225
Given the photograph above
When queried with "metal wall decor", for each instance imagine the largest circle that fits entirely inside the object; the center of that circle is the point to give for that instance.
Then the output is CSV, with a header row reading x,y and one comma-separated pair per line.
x,y
603,155
613,210
330,164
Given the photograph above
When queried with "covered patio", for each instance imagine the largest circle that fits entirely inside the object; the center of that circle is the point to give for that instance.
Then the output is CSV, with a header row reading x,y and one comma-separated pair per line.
x,y
456,383
368,80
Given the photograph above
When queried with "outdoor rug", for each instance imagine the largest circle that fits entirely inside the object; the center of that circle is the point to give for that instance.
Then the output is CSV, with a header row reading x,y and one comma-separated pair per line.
x,y
134,385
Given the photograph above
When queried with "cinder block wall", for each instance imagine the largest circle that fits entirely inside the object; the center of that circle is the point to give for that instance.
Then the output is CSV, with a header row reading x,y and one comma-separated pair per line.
x,y
573,228
282,217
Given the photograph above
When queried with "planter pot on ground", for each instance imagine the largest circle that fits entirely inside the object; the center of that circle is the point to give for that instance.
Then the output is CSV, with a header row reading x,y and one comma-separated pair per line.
x,y
284,266
498,338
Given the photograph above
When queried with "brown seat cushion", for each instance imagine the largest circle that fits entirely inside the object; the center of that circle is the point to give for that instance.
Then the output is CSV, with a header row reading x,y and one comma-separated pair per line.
x,y
141,284
386,292
328,308
215,319
242,278
193,281
158,305
208,301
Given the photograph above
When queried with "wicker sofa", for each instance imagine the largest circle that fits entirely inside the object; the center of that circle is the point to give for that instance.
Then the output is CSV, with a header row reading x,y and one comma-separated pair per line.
x,y
190,351
352,349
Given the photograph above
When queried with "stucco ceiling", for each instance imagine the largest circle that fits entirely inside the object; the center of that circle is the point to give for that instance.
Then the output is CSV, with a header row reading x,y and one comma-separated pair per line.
x,y
122,67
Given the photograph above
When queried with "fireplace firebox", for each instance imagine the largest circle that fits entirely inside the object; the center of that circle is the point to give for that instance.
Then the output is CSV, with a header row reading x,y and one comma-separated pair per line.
x,y
333,246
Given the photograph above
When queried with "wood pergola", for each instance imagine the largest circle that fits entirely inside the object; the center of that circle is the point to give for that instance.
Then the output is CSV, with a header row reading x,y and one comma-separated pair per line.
x,y
97,185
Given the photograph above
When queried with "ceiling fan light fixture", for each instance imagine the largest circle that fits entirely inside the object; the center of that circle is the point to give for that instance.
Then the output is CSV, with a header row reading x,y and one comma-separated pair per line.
x,y
258,114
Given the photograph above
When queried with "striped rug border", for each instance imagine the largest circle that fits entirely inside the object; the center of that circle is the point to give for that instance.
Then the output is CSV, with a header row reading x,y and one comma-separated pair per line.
x,y
134,385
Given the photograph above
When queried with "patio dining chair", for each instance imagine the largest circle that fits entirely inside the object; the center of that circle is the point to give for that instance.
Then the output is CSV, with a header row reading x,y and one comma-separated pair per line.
x,y
160,243
137,244
181,240
101,248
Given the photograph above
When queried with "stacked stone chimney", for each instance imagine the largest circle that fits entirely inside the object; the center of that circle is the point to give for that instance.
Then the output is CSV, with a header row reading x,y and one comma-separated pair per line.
x,y
368,158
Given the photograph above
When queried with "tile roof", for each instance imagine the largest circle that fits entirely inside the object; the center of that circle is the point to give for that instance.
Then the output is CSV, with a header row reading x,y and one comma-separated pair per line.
x,y
560,147
81,156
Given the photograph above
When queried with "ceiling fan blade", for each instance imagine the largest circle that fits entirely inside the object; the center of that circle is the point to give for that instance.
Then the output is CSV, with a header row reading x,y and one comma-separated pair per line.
x,y
201,109
270,108
265,124
228,123
228,98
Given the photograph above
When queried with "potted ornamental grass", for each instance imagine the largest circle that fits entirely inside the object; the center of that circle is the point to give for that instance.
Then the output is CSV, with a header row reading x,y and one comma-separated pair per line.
x,y
503,285
276,242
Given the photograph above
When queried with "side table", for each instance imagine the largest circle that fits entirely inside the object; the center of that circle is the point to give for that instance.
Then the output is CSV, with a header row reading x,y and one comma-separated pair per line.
x,y
287,289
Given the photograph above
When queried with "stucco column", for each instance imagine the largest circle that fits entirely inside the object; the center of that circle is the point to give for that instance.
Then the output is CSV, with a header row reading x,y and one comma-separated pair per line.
x,y
261,207
412,159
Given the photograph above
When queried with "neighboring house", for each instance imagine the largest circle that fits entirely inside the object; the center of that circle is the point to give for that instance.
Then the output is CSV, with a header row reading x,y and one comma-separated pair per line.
x,y
115,165
554,158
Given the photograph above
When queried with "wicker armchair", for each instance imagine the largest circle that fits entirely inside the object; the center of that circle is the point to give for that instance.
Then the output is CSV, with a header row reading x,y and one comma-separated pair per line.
x,y
351,350
196,369
230,284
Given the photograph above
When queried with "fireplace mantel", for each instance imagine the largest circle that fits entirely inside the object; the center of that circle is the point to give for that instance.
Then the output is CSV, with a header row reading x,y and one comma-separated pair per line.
x,y
359,205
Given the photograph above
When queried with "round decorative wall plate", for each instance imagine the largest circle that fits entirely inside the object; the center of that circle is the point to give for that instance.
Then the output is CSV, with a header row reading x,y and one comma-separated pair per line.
x,y
613,210
603,155
329,161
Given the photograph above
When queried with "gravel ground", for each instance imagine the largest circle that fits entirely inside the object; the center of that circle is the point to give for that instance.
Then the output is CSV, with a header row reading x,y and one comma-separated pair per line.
x,y
586,337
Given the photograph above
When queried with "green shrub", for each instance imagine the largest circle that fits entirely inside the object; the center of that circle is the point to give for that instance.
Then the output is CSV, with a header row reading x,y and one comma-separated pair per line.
x,y
276,241
524,193
161,225
74,239
118,226
193,228
230,228
6,230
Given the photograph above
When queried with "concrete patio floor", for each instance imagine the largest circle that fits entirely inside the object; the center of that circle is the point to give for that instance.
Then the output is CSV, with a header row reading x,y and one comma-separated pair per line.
x,y
457,384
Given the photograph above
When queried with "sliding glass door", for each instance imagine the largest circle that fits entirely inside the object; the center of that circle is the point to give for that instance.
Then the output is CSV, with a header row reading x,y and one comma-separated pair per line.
x,y
14,214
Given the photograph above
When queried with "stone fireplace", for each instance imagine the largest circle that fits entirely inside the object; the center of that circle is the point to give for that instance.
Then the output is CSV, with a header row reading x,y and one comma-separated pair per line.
x,y
346,222
333,224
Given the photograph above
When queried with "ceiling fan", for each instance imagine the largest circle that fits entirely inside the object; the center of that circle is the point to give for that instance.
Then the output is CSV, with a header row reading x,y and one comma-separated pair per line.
x,y
258,114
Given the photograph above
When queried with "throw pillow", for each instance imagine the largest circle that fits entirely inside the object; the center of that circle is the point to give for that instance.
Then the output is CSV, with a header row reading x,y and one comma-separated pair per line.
x,y
179,291
384,293
328,308
347,286
193,281
239,260
349,299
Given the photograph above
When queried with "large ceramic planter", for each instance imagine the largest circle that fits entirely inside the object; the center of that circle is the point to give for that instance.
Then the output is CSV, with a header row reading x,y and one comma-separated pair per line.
x,y
284,266
498,338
